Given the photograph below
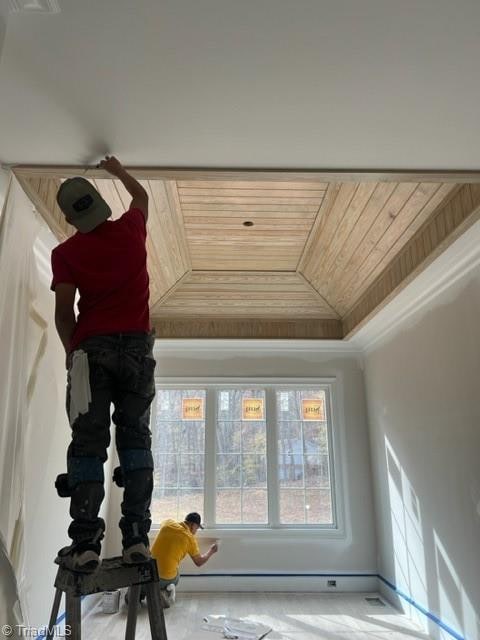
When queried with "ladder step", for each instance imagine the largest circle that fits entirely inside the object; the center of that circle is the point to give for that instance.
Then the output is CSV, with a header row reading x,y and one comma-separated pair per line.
x,y
111,574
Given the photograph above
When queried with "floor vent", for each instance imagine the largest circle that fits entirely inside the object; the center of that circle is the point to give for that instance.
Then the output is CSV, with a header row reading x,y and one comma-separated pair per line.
x,y
375,602
34,6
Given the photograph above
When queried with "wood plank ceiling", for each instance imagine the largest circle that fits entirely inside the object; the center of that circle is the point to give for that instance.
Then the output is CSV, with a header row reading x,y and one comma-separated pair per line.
x,y
278,255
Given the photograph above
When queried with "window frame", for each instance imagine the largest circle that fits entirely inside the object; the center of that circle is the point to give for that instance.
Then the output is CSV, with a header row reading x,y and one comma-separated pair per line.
x,y
333,387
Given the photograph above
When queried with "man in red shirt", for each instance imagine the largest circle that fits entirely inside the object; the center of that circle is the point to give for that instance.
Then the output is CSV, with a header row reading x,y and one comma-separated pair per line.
x,y
109,360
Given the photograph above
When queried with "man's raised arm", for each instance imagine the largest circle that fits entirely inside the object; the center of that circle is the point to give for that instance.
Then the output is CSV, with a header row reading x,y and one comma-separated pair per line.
x,y
134,188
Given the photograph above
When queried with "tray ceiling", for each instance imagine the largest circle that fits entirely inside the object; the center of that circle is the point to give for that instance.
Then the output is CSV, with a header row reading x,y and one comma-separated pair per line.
x,y
278,254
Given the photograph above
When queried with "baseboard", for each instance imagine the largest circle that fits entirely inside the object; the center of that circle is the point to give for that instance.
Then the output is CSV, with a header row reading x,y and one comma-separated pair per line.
x,y
318,582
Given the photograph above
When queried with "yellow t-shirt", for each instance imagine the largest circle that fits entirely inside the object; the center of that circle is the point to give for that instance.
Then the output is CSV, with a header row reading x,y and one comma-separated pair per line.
x,y
173,542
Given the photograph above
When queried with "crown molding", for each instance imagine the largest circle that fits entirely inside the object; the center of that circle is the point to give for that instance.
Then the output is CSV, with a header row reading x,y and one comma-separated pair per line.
x,y
457,261
454,263
241,346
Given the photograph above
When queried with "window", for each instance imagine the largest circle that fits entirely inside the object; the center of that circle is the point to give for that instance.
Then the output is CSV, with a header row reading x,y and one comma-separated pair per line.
x,y
303,458
241,458
250,456
178,453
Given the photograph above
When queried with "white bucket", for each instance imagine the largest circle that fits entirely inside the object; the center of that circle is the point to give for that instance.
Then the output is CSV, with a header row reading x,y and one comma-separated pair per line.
x,y
111,601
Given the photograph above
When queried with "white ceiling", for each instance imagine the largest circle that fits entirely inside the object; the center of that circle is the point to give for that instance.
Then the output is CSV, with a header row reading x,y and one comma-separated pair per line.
x,y
244,83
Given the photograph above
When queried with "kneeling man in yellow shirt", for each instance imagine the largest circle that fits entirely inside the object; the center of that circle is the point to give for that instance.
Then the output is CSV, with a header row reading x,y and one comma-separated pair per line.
x,y
173,542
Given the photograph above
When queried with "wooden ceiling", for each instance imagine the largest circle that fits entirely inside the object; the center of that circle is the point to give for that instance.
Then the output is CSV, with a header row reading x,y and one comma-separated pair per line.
x,y
278,254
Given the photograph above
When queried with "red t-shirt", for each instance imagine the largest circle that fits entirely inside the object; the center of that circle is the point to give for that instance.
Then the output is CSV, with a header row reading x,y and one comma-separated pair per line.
x,y
109,268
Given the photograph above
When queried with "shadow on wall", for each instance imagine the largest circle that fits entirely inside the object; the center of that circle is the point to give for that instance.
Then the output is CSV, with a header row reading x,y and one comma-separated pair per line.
x,y
416,549
422,385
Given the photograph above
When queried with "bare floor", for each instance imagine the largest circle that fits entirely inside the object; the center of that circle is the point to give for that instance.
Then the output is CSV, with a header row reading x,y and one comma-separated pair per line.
x,y
292,616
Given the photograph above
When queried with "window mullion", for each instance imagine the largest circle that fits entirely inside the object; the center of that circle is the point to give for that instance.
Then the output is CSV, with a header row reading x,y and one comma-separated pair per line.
x,y
331,439
210,456
272,458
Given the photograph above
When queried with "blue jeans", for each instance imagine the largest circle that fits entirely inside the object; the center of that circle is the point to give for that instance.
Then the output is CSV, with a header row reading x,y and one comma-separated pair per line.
x,y
121,373
163,584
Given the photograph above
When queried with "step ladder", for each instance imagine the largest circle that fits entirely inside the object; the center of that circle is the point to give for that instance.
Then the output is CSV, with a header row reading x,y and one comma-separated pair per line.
x,y
112,574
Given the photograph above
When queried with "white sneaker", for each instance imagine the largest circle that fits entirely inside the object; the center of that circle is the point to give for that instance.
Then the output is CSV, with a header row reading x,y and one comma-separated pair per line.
x,y
170,589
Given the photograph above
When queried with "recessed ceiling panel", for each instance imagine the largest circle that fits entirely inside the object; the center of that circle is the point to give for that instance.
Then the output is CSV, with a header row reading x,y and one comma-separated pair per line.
x,y
245,294
274,256
248,226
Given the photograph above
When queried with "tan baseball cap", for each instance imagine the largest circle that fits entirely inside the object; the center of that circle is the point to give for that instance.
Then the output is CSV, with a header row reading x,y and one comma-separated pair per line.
x,y
82,205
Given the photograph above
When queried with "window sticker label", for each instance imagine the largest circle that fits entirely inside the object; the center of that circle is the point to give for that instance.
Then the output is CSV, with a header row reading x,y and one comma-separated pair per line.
x,y
313,409
192,409
252,409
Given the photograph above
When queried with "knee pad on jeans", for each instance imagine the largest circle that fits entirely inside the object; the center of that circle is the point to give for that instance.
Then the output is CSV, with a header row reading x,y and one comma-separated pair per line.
x,y
84,469
62,486
135,460
94,532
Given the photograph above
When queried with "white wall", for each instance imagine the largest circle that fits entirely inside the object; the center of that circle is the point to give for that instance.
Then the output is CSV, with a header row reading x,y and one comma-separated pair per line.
x,y
43,440
253,553
47,514
3,174
3,26
422,387
226,83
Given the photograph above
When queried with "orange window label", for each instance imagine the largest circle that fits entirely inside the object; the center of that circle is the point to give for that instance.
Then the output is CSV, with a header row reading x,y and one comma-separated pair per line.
x,y
192,409
313,409
252,409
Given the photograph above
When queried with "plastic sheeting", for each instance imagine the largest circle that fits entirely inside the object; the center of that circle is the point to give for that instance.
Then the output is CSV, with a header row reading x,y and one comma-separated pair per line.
x,y
18,229
235,628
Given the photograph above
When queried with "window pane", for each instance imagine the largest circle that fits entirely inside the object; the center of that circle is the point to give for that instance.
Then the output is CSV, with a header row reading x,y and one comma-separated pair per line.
x,y
178,447
229,437
317,471
292,506
255,507
228,470
290,470
289,437
241,457
164,503
312,471
166,435
234,408
229,506
166,466
189,500
191,471
303,460
190,436
318,506
254,471
254,437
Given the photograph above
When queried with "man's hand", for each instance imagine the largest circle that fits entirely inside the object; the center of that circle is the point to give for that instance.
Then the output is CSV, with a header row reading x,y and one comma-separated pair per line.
x,y
111,165
134,188
202,559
